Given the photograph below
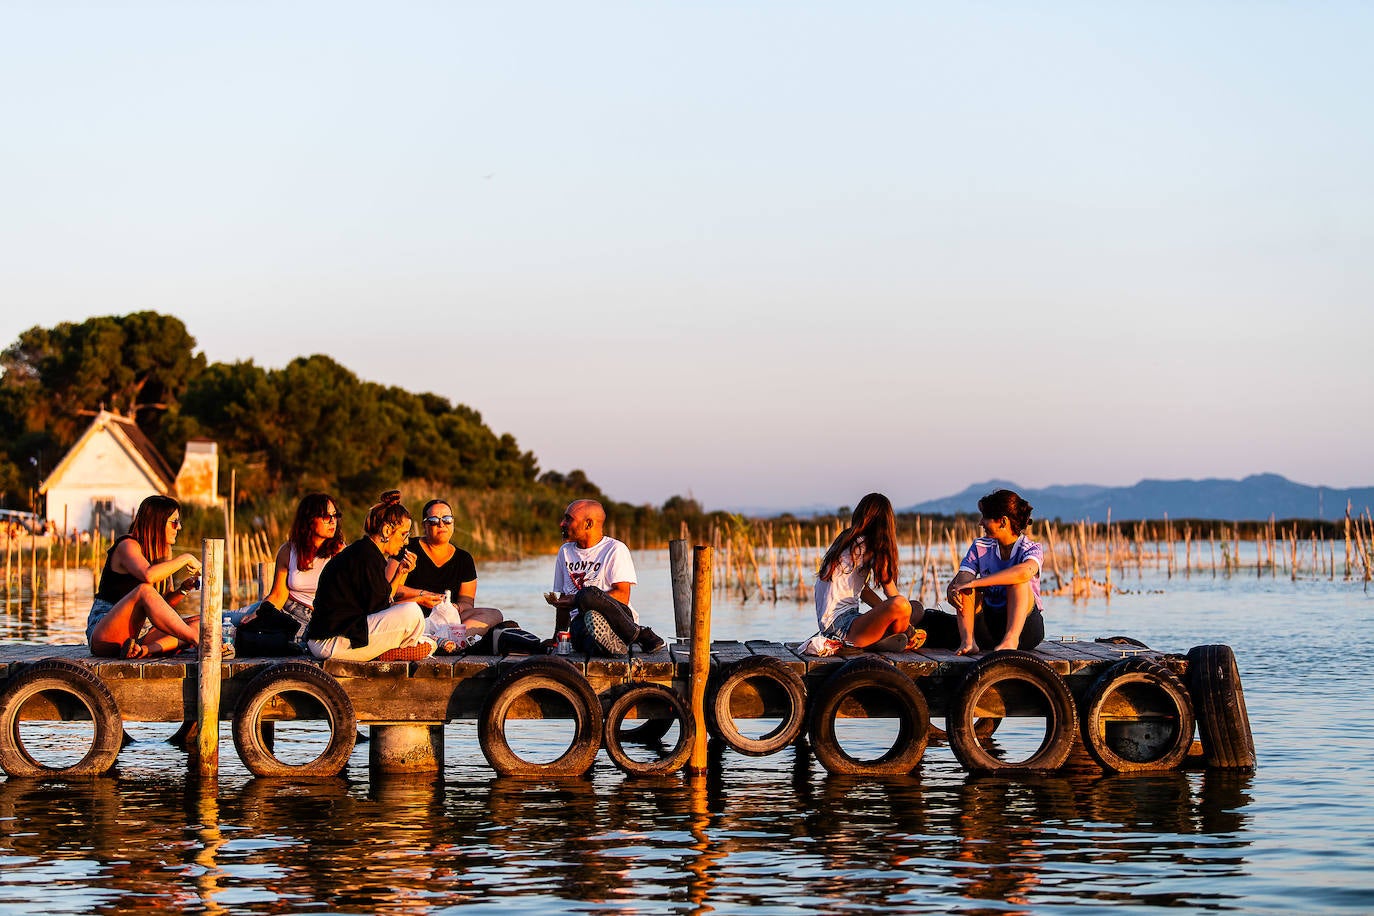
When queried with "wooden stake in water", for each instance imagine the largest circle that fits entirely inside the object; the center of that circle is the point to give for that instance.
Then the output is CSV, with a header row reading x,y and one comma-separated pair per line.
x,y
682,588
208,671
701,653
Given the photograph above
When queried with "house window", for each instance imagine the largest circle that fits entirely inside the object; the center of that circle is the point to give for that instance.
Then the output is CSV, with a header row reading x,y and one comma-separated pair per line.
x,y
103,505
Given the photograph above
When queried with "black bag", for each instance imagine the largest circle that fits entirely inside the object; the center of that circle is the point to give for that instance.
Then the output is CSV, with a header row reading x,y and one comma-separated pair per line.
x,y
271,633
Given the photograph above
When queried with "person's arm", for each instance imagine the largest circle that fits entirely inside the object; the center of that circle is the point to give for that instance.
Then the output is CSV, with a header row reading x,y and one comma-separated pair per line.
x,y
1024,571
620,591
131,557
466,599
278,593
396,571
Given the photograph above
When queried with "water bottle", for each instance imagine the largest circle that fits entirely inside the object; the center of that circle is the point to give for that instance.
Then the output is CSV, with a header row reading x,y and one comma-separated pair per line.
x,y
564,644
227,632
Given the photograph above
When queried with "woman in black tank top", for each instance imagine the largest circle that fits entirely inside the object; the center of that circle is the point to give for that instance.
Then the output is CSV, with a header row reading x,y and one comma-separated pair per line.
x,y
129,594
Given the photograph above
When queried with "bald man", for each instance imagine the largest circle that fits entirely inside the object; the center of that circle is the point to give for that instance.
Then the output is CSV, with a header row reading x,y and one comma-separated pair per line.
x,y
593,575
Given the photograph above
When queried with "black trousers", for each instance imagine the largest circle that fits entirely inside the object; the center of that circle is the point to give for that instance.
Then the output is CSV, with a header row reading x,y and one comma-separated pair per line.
x,y
593,600
989,626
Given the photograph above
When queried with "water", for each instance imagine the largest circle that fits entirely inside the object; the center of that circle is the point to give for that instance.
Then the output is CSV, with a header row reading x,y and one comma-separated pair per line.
x,y
770,835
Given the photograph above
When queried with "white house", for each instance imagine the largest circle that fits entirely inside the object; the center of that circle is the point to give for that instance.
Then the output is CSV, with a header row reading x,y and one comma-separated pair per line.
x,y
106,474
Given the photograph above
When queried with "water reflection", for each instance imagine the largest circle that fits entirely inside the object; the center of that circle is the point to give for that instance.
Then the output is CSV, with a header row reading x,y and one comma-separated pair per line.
x,y
402,844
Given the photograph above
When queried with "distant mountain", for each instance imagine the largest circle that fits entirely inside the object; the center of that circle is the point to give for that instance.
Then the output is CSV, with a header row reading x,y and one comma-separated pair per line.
x,y
1253,499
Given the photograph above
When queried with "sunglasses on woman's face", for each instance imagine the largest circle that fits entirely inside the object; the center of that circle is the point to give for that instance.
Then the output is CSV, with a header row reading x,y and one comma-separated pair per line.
x,y
332,516
438,520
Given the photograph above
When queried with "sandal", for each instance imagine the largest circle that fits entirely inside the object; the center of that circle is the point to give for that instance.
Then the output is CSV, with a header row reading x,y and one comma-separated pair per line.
x,y
133,649
915,638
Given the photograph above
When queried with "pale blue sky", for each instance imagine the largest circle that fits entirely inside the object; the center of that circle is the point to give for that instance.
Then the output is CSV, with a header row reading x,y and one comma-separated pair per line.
x,y
769,253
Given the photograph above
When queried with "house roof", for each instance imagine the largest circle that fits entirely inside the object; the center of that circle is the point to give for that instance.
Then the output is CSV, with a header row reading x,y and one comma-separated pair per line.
x,y
139,447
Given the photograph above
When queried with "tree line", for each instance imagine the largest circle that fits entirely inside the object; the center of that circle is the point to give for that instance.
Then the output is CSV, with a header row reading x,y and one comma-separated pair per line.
x,y
310,425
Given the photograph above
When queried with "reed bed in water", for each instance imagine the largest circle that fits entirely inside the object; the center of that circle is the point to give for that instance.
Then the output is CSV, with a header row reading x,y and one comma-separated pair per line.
x,y
776,559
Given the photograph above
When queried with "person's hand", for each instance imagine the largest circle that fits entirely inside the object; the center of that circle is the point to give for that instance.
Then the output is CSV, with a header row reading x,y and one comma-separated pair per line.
x,y
560,600
406,561
429,600
191,563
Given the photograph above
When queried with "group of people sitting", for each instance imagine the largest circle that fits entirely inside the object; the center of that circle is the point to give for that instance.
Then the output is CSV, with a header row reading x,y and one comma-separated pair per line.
x,y
381,596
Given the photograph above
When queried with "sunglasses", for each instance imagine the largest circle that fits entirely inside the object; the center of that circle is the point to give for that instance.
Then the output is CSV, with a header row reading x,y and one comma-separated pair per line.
x,y
332,516
175,523
438,520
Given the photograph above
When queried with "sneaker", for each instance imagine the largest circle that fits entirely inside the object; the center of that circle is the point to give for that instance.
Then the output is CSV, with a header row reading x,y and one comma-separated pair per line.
x,y
648,640
603,636
414,653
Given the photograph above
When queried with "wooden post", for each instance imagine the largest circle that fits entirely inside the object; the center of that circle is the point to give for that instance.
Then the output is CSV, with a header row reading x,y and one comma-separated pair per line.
x,y
682,588
264,573
701,652
208,669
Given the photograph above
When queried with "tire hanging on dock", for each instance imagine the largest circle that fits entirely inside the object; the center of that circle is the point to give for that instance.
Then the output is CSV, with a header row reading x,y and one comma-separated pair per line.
x,y
77,694
987,677
870,681
259,705
531,681
776,685
663,699
1138,718
1223,723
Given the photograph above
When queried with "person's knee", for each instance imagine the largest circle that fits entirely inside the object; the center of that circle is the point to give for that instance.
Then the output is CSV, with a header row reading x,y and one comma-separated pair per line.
x,y
901,608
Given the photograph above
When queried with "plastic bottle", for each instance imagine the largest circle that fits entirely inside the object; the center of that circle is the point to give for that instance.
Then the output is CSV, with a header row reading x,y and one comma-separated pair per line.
x,y
227,631
564,644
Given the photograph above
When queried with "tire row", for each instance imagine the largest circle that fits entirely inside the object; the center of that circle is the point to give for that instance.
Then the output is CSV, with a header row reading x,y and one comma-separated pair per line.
x,y
1138,716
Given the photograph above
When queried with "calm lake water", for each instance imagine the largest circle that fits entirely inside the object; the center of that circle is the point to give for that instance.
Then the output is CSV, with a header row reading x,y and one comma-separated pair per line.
x,y
769,835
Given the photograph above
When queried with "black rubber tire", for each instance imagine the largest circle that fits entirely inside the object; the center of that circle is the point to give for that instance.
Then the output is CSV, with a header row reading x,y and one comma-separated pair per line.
x,y
60,676
556,676
1061,719
256,748
614,739
870,673
1130,673
721,723
1223,723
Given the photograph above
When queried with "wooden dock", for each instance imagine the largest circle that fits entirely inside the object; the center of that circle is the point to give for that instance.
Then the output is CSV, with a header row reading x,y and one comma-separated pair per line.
x,y
760,679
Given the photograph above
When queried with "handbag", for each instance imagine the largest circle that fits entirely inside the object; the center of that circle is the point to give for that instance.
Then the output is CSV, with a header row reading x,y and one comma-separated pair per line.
x,y
272,632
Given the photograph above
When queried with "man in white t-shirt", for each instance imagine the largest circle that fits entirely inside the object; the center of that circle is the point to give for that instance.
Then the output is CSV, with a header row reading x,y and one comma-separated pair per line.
x,y
593,576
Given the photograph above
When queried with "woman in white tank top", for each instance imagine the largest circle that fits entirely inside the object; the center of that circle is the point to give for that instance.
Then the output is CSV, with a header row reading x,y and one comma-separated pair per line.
x,y
313,540
848,610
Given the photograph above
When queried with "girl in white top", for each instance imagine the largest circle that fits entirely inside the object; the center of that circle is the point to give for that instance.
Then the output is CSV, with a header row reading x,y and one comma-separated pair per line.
x,y
313,540
847,608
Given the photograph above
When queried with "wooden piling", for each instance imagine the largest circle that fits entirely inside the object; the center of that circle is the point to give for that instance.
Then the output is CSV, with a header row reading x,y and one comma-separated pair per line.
x,y
208,668
701,653
682,588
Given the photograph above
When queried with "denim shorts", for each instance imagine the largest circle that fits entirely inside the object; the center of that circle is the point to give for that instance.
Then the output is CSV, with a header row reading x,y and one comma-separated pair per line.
x,y
99,608
839,627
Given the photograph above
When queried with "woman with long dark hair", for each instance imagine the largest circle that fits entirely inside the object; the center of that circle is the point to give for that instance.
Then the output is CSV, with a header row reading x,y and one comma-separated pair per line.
x,y
135,591
313,541
354,618
996,593
848,610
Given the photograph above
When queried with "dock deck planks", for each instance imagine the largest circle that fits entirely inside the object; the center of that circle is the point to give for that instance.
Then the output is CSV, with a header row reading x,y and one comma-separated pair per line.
x,y
441,688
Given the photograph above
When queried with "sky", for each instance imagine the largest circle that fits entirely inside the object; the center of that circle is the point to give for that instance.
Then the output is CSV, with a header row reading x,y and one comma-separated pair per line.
x,y
766,254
